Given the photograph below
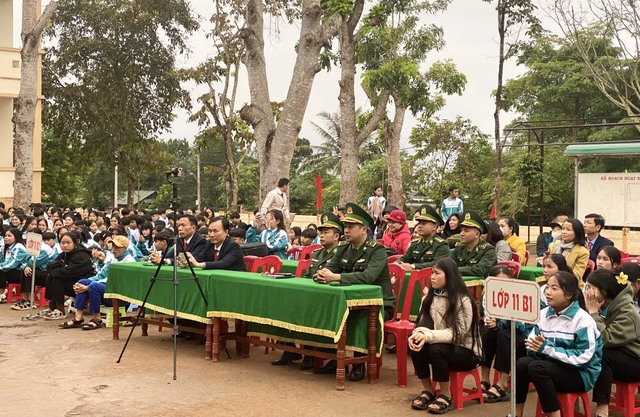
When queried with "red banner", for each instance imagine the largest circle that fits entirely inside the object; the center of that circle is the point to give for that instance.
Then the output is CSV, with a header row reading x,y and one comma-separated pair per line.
x,y
319,185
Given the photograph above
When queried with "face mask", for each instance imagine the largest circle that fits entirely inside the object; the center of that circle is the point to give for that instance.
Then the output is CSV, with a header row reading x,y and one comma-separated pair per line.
x,y
504,230
555,235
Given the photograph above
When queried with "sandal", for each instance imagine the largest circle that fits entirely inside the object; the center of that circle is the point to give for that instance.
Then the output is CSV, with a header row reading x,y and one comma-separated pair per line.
x,y
44,312
55,315
422,401
442,405
93,324
73,324
485,385
22,305
502,395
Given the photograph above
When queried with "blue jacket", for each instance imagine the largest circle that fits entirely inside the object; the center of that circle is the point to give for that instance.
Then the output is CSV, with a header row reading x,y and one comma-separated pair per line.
x,y
571,338
16,257
277,242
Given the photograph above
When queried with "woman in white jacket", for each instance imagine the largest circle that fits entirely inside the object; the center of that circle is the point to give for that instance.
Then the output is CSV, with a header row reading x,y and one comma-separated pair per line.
x,y
446,337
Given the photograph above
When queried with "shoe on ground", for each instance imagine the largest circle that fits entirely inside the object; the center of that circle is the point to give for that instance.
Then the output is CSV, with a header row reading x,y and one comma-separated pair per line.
x,y
307,363
55,315
24,305
287,358
3,298
328,369
357,372
391,349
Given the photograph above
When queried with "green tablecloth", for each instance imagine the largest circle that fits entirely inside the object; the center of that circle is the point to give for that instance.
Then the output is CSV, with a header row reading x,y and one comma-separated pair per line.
x,y
291,308
130,282
289,266
531,273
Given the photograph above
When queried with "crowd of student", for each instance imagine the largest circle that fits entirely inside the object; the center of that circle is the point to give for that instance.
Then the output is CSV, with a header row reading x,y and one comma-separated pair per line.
x,y
588,334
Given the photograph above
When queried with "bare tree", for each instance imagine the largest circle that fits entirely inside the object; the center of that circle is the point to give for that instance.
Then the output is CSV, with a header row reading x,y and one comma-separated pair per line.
x,y
26,103
618,78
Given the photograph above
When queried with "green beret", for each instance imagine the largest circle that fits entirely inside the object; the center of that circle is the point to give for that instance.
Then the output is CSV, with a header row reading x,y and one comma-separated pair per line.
x,y
356,214
472,219
330,220
429,214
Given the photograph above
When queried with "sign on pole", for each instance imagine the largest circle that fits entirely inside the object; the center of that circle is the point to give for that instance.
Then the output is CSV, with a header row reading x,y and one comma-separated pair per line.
x,y
512,299
34,242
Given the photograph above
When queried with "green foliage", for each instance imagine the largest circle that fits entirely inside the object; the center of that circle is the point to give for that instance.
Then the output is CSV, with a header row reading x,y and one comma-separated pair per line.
x,y
60,179
529,170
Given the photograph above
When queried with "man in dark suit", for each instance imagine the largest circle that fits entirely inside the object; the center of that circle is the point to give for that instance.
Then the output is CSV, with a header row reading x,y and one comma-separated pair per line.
x,y
221,251
593,225
189,240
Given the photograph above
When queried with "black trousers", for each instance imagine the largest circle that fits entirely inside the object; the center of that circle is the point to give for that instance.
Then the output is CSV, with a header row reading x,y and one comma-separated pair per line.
x,y
11,276
57,288
40,281
616,364
549,378
497,345
442,357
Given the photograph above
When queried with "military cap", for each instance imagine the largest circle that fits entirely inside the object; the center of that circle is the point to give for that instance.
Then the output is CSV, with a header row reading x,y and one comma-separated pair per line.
x,y
428,213
472,219
330,220
356,214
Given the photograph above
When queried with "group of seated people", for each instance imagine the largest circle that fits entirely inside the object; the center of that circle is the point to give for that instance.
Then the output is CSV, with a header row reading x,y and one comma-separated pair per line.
x,y
589,327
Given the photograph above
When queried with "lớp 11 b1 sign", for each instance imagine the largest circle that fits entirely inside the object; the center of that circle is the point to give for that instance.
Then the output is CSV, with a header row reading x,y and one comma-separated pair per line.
x,y
512,299
34,242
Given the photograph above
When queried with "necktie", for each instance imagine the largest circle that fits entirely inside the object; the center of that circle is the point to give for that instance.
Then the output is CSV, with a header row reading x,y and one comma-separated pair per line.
x,y
215,255
589,245
184,244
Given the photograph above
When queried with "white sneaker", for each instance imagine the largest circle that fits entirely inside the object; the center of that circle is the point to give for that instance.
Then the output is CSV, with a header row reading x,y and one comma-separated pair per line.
x,y
3,298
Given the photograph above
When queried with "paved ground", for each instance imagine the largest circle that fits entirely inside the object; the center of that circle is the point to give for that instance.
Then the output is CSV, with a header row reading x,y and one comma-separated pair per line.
x,y
55,372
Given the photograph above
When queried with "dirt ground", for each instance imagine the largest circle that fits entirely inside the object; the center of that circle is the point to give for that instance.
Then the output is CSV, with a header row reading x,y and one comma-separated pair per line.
x,y
55,372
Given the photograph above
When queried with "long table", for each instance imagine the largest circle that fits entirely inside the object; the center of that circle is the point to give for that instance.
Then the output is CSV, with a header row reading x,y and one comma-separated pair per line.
x,y
301,310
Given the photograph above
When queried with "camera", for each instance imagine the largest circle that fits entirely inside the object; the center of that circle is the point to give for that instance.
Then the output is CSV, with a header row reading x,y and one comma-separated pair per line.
x,y
175,172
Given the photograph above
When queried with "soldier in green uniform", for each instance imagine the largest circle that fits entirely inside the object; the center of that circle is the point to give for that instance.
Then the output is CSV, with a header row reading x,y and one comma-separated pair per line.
x,y
424,251
359,260
473,256
330,231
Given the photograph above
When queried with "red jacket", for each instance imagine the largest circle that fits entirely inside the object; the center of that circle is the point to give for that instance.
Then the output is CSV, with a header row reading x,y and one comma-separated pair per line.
x,y
398,241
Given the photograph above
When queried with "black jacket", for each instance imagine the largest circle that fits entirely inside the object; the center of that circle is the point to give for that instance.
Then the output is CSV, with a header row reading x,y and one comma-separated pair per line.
x,y
75,264
229,258
196,247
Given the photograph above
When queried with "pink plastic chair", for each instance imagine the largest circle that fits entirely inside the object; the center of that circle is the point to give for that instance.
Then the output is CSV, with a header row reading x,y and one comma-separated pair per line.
x,y
306,251
514,268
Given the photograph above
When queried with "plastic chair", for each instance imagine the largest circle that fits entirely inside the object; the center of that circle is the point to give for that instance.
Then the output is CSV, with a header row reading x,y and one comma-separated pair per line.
x,y
294,253
515,257
11,297
248,261
527,254
589,269
625,399
42,301
303,267
567,405
269,264
394,258
514,268
458,390
634,259
401,329
306,251
623,254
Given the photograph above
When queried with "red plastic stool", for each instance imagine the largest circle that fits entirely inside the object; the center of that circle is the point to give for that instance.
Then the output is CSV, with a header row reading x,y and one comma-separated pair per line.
x,y
567,405
42,301
458,391
625,398
11,297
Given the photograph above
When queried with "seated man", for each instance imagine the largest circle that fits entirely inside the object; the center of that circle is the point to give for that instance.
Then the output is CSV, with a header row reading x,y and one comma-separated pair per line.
x,y
237,234
190,241
473,256
330,231
359,260
424,251
221,251
93,288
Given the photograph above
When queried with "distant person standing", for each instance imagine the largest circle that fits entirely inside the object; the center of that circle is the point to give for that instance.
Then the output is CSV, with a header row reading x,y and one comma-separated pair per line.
x,y
376,204
278,199
452,204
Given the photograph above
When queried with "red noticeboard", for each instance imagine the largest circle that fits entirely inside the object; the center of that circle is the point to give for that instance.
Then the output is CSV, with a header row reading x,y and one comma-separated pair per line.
x,y
512,299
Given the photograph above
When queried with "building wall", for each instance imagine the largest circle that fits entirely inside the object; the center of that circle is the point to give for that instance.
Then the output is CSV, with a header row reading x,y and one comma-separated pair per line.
x,y
9,89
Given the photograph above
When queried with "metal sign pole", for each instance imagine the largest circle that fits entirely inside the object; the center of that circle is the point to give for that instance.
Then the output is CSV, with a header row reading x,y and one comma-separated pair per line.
x,y
513,368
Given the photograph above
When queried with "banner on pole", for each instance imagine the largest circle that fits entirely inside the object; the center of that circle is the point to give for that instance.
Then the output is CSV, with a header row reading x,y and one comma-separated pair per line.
x,y
512,299
34,242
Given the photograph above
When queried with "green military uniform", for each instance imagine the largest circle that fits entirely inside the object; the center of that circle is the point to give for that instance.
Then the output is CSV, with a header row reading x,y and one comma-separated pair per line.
x,y
423,253
321,257
365,265
478,261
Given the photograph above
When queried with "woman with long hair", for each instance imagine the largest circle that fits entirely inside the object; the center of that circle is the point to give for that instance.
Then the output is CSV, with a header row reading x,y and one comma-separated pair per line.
x,y
275,236
572,246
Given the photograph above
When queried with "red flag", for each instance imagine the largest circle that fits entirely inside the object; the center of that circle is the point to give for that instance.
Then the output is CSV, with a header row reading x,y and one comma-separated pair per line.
x,y
319,185
492,216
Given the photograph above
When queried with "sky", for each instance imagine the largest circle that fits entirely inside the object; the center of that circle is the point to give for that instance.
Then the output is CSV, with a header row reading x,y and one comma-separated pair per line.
x,y
471,43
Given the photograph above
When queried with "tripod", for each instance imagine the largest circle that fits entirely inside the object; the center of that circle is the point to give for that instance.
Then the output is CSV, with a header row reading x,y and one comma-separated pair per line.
x,y
141,308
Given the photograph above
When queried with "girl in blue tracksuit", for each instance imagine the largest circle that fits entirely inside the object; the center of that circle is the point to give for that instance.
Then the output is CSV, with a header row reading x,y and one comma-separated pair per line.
x,y
564,348
275,237
15,259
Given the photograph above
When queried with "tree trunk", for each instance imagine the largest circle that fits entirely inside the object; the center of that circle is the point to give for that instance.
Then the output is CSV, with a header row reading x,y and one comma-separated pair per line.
x,y
496,114
348,172
276,144
395,192
26,103
231,173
